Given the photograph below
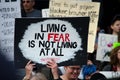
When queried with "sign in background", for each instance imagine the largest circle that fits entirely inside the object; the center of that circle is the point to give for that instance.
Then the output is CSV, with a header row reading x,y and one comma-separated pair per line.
x,y
45,12
76,8
41,39
9,10
105,42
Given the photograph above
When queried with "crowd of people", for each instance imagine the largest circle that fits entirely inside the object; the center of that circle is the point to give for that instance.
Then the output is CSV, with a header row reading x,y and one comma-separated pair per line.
x,y
90,71
72,72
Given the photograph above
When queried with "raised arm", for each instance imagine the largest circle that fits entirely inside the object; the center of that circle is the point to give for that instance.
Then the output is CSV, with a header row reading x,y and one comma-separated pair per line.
x,y
28,70
54,68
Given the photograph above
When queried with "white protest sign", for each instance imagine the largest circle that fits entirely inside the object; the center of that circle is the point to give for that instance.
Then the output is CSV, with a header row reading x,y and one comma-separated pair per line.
x,y
61,39
9,10
73,8
105,42
45,12
48,48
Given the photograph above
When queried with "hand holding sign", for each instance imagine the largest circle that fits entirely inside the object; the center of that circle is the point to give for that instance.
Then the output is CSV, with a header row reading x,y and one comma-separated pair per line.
x,y
54,68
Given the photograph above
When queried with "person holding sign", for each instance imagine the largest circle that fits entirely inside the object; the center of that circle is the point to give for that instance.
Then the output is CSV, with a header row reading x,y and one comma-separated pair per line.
x,y
29,11
29,73
71,72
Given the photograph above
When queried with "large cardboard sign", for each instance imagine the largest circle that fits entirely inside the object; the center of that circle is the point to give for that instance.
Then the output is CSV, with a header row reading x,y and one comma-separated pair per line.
x,y
41,39
105,42
9,10
45,12
75,8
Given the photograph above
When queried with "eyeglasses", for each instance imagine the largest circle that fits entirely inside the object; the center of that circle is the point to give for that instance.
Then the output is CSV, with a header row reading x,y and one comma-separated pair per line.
x,y
25,1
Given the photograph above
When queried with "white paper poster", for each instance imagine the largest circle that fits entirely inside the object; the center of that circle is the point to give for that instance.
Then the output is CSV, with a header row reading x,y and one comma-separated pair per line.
x,y
9,10
45,12
75,8
42,39
105,42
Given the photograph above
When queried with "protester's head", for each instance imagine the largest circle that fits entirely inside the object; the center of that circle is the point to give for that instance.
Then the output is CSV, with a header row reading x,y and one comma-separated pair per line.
x,y
72,72
88,70
89,62
38,76
115,25
115,56
28,5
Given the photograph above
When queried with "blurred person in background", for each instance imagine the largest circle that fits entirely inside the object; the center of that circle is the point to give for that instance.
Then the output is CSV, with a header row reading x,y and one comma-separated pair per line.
x,y
88,70
114,59
28,9
115,25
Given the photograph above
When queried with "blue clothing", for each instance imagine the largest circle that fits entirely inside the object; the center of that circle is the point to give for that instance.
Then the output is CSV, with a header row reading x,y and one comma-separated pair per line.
x,y
88,70
34,13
